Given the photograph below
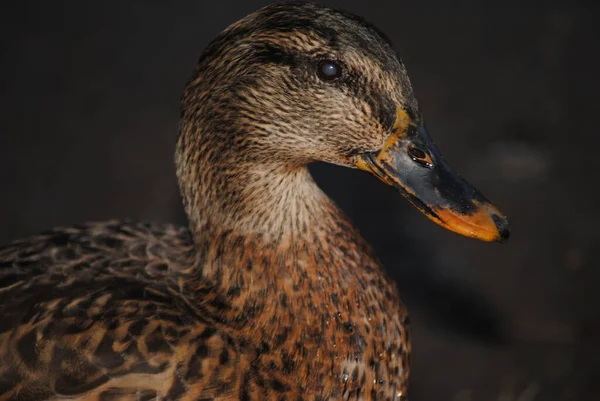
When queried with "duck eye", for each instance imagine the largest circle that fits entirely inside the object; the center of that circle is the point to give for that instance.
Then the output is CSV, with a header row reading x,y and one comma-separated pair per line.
x,y
329,70
420,157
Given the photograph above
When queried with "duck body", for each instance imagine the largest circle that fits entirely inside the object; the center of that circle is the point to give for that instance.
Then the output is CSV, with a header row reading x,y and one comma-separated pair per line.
x,y
118,311
270,294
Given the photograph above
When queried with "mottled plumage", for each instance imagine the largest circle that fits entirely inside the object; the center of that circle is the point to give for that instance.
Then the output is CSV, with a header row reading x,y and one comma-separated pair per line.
x,y
270,294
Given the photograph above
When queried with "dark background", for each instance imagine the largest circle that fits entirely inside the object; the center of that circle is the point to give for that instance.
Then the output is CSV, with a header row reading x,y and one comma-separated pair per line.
x,y
89,106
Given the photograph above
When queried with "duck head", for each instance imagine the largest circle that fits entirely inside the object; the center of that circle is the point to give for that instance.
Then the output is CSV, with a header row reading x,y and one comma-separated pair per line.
x,y
296,83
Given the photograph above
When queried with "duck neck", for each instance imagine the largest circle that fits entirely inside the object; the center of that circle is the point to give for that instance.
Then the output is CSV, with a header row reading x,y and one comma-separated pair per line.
x,y
228,184
264,232
274,202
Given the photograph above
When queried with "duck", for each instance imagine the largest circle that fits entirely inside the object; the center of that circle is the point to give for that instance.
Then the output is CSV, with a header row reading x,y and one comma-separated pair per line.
x,y
270,292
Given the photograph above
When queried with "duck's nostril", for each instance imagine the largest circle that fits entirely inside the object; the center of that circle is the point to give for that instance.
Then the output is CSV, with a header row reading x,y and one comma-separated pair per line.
x,y
419,156
503,228
416,153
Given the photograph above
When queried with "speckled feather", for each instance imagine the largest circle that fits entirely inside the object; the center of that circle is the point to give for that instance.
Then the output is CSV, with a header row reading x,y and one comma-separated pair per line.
x,y
271,294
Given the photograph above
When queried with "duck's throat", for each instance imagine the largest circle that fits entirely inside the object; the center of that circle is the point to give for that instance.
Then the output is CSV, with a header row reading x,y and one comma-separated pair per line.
x,y
223,190
273,251
265,227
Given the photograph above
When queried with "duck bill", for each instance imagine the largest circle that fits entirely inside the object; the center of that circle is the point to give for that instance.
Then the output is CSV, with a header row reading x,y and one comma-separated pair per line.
x,y
410,162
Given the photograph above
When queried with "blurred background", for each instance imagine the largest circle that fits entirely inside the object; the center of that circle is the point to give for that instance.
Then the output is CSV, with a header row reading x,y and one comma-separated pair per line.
x,y
89,107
